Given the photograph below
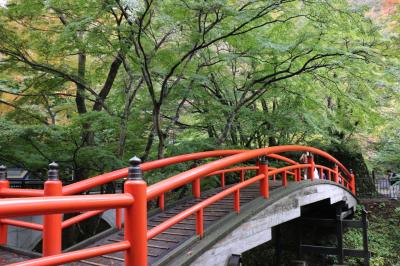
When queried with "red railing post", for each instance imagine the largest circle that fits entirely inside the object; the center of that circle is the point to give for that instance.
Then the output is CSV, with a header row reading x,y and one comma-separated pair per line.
x,y
52,223
310,160
298,175
223,180
161,201
118,218
4,183
336,173
264,183
196,188
284,179
199,223
330,175
136,216
241,175
352,182
237,200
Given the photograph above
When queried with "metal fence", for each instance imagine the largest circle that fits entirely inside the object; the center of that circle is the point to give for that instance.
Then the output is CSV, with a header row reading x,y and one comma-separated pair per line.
x,y
109,188
378,188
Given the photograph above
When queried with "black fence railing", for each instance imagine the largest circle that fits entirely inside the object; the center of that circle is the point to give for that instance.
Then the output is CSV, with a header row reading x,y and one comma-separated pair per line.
x,y
109,188
378,188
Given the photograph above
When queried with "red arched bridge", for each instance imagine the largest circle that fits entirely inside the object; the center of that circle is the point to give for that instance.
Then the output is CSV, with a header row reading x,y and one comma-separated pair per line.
x,y
238,215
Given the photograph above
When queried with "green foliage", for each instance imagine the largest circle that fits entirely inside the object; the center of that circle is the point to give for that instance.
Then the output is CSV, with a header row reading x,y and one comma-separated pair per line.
x,y
91,83
383,234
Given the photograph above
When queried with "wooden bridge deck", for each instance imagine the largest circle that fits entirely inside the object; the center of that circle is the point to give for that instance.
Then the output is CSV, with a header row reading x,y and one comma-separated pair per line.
x,y
8,257
164,243
161,245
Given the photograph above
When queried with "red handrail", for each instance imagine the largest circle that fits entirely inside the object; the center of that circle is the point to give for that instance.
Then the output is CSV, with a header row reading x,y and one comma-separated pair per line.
x,y
95,181
147,166
211,200
80,217
24,224
20,207
76,255
235,169
189,176
137,194
134,202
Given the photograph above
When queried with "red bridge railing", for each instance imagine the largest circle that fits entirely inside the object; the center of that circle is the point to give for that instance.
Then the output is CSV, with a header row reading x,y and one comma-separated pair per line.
x,y
54,199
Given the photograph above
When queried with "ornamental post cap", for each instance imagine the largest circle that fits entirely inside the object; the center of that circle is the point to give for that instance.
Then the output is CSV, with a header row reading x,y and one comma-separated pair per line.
x,y
263,160
135,161
53,166
52,174
134,171
3,172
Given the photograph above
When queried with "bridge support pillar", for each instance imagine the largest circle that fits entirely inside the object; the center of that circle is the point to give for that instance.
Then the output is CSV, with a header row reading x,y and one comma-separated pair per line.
x,y
52,228
136,216
276,236
4,183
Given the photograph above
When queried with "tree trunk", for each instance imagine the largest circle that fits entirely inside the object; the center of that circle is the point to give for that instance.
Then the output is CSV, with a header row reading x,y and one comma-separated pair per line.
x,y
87,136
159,131
149,144
122,136
228,126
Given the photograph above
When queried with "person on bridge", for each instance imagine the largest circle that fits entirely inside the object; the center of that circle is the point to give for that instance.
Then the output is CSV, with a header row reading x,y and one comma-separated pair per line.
x,y
304,159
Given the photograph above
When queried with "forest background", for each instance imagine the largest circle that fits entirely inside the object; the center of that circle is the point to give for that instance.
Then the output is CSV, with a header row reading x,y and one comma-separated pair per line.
x,y
90,83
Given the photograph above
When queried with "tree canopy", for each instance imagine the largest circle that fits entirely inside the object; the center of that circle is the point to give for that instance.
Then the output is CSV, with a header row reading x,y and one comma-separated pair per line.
x,y
90,83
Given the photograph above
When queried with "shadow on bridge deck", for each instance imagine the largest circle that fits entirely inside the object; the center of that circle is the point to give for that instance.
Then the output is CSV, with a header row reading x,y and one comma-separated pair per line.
x,y
226,232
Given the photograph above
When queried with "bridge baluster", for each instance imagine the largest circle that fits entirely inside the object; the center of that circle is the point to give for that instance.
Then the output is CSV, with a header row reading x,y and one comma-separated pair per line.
x,y
237,201
118,218
352,182
161,201
284,179
136,216
223,179
199,223
264,183
310,160
297,175
196,188
4,183
336,173
52,223
241,175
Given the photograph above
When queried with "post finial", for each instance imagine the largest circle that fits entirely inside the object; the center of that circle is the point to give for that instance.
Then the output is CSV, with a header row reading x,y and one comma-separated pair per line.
x,y
263,159
3,172
134,171
52,174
